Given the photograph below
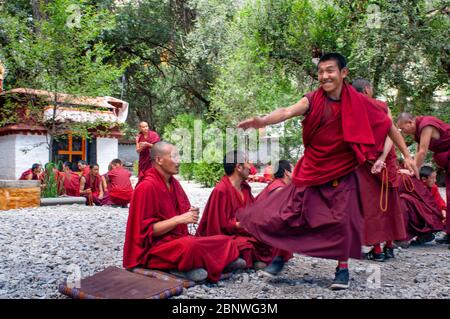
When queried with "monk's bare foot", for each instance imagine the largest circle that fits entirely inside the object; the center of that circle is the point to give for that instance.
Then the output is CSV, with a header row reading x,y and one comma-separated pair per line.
x,y
197,274
236,264
259,265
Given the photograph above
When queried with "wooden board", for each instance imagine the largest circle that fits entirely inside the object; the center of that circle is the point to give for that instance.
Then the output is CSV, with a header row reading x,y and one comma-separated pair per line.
x,y
13,198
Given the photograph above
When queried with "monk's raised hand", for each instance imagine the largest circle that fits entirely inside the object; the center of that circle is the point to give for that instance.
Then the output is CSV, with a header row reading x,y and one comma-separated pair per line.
x,y
405,172
378,166
254,122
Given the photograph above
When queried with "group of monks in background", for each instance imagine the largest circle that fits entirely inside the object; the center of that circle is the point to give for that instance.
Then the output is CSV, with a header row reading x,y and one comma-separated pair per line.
x,y
347,191
113,188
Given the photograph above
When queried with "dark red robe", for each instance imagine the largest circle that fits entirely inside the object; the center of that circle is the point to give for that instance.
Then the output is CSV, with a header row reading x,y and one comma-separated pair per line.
x,y
219,218
120,189
71,183
28,172
382,209
440,149
153,202
270,190
420,211
319,214
144,155
94,182
86,170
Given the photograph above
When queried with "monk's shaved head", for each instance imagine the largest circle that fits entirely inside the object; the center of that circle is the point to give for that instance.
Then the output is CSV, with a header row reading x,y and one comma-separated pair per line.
x,y
405,117
406,122
160,149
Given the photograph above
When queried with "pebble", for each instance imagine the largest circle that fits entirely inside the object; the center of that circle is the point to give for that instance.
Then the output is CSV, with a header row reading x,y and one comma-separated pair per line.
x,y
38,245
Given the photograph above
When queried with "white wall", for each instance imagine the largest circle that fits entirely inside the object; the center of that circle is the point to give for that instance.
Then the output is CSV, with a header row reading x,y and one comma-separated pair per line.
x,y
18,152
30,149
127,153
107,150
7,157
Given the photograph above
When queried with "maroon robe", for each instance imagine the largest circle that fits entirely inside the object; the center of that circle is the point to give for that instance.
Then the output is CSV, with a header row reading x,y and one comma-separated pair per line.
x,y
219,218
420,211
382,209
28,172
71,183
270,190
152,202
120,189
86,170
437,197
94,182
144,155
440,149
319,214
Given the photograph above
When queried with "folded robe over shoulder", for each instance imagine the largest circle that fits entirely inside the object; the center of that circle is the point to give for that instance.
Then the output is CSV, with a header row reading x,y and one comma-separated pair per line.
x,y
153,202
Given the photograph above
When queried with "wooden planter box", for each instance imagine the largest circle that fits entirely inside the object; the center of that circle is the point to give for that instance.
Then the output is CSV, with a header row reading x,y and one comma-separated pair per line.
x,y
19,194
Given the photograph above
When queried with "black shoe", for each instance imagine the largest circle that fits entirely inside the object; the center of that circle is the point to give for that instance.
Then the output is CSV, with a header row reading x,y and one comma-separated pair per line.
x,y
341,279
371,255
388,252
423,239
274,268
443,240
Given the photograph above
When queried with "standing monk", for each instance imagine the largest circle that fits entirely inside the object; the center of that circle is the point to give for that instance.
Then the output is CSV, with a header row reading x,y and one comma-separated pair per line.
x,y
219,216
120,189
431,134
378,184
35,173
70,181
91,187
157,235
319,214
144,143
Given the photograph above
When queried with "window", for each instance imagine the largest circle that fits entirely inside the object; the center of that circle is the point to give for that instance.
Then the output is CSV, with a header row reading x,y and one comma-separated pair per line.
x,y
69,148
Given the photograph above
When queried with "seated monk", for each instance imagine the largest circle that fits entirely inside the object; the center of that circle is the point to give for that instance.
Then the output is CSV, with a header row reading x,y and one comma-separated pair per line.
x,y
219,216
157,234
35,173
283,177
91,187
83,167
70,181
120,189
428,177
420,212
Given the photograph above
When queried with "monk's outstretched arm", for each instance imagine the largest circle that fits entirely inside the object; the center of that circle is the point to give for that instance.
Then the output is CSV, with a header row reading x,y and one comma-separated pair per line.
x,y
277,116
165,226
398,140
425,138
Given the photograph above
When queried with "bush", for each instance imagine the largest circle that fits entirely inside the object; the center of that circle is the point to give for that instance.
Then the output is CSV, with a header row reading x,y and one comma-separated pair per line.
x,y
51,183
208,174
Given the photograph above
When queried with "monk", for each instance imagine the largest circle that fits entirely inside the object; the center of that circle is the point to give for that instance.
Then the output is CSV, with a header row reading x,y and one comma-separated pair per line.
x,y
422,217
428,177
34,173
319,214
120,189
144,142
432,134
378,184
252,173
91,187
219,217
70,181
83,167
157,233
282,178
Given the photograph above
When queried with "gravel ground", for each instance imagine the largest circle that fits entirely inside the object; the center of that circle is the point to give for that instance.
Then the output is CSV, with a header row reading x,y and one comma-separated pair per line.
x,y
42,246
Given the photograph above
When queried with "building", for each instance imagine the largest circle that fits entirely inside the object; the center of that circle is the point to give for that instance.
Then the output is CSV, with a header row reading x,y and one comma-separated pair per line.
x,y
26,129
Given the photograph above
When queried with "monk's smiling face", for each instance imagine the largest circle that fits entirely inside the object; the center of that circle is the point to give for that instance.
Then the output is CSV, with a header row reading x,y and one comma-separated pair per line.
x,y
330,77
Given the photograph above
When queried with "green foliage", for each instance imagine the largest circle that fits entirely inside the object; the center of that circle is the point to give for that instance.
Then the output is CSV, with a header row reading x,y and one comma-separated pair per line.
x,y
51,185
208,174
